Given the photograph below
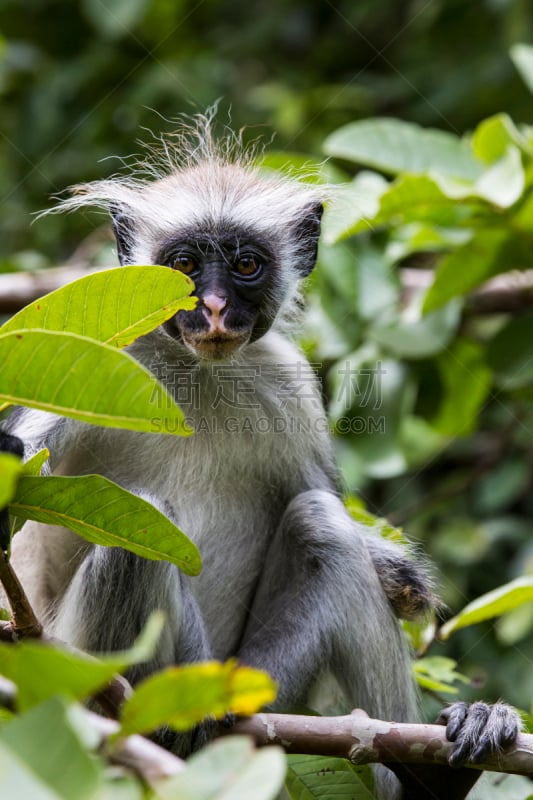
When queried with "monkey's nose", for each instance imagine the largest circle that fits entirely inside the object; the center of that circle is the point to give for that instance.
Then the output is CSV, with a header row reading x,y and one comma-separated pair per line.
x,y
213,309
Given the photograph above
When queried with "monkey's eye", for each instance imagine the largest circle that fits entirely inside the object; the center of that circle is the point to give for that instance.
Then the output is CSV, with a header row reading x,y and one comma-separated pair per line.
x,y
247,266
184,264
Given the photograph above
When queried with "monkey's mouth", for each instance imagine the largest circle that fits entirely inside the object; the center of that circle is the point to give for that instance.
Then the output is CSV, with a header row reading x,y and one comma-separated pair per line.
x,y
215,346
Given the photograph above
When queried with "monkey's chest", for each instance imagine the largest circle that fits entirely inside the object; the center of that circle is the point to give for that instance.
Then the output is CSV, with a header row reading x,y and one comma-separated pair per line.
x,y
232,531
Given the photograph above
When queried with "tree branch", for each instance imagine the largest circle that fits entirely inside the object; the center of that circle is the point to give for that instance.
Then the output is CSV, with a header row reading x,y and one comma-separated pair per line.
x,y
149,761
506,293
110,699
366,741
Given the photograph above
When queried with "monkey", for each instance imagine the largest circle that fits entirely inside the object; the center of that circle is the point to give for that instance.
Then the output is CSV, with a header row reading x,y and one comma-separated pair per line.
x,y
290,583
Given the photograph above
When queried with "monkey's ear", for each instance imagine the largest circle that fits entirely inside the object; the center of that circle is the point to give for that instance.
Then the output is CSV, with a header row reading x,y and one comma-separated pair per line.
x,y
306,234
123,230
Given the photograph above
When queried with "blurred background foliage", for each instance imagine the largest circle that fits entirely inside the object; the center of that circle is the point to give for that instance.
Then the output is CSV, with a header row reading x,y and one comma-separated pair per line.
x,y
81,79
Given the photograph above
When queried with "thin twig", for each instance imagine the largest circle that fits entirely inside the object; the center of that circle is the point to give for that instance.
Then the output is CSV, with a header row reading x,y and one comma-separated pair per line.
x,y
110,699
25,623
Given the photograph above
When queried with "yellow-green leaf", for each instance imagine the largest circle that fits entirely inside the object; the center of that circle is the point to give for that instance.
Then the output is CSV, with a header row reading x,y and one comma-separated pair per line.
x,y
114,306
493,604
77,377
183,696
106,514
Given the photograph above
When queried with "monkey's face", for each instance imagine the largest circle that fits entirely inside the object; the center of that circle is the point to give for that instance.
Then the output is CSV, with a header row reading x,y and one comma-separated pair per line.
x,y
237,284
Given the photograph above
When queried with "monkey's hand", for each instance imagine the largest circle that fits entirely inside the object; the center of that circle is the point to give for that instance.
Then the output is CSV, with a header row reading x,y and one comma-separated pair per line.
x,y
478,730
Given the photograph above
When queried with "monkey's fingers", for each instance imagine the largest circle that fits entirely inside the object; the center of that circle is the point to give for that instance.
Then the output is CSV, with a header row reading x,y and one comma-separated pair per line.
x,y
479,730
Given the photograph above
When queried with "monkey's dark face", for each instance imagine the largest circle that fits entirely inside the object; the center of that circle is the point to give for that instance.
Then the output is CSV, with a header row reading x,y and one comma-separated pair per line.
x,y
236,281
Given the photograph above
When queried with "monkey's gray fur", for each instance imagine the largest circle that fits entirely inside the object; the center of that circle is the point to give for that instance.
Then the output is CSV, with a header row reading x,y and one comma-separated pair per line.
x,y
290,582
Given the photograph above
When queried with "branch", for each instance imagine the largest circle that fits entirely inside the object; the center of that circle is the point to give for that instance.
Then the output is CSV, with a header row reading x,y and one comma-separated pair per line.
x,y
356,737
149,761
17,289
110,699
367,741
23,620
509,292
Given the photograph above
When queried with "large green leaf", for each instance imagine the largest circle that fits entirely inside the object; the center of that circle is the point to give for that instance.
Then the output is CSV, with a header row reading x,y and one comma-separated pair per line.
x,y
18,779
46,742
41,671
510,353
412,335
354,205
183,696
501,184
394,146
324,778
493,136
492,604
114,306
488,253
369,395
106,514
461,365
228,769
80,378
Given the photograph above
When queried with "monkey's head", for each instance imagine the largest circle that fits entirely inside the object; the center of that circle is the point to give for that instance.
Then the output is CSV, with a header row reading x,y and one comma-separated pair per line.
x,y
245,238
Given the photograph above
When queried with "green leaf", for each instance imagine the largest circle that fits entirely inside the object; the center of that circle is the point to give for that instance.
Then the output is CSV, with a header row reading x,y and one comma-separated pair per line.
x,y
10,470
324,778
510,353
83,379
515,625
493,604
368,398
438,674
415,198
501,184
228,769
40,670
18,779
493,136
183,696
495,786
300,166
462,365
353,206
114,306
34,465
47,742
379,525
522,57
488,253
394,146
106,514
412,335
